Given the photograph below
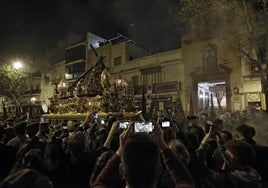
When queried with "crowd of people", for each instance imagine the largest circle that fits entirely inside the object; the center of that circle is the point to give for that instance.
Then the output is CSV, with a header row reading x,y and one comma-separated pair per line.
x,y
96,152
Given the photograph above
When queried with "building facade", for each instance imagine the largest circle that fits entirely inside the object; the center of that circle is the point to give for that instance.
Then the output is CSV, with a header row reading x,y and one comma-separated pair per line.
x,y
214,72
156,79
204,72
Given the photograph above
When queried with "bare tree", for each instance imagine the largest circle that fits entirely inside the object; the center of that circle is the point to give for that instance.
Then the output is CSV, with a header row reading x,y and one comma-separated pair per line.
x,y
13,84
243,24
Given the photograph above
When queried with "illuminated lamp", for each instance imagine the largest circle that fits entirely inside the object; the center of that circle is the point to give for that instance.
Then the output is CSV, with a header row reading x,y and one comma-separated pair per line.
x,y
120,81
62,86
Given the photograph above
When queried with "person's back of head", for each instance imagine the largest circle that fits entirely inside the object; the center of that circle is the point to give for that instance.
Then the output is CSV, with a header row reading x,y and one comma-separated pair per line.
x,y
76,142
168,134
246,133
32,129
219,123
180,150
198,132
226,135
239,154
26,178
20,128
192,119
33,159
140,161
8,134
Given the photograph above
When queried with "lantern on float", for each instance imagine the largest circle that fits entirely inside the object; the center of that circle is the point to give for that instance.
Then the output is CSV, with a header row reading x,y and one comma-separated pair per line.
x,y
62,87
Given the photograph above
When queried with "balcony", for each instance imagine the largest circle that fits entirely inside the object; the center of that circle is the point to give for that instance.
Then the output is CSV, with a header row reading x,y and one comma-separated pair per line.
x,y
252,70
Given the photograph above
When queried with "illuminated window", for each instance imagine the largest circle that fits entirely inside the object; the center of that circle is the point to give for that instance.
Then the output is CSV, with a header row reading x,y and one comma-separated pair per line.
x,y
73,71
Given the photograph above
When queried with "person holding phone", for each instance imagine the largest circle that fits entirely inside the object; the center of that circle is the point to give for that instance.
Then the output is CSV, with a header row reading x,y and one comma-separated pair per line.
x,y
143,127
139,161
44,134
238,166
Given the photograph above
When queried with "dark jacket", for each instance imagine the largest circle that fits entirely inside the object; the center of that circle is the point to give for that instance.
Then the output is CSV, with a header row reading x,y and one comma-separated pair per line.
x,y
181,177
246,178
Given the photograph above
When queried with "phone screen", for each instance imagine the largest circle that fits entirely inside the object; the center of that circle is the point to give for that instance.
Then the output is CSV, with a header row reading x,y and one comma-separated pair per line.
x,y
102,121
123,124
42,120
96,116
165,123
143,127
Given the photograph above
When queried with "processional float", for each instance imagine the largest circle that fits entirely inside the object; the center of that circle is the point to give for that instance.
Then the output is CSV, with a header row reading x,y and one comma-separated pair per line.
x,y
93,91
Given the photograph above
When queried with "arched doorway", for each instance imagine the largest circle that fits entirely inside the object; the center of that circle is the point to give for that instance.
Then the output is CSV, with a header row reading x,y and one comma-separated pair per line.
x,y
213,86
209,92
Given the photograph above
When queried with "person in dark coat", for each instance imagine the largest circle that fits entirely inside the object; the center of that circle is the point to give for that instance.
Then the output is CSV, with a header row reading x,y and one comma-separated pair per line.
x,y
26,178
238,167
7,156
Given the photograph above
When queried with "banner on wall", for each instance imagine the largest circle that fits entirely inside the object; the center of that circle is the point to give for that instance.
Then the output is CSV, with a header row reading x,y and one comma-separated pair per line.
x,y
253,97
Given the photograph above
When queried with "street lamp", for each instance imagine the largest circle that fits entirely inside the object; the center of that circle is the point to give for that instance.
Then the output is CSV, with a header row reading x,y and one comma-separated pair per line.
x,y
17,65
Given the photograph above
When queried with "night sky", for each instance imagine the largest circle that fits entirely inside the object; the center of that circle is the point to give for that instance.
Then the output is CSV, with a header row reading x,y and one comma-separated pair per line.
x,y
29,27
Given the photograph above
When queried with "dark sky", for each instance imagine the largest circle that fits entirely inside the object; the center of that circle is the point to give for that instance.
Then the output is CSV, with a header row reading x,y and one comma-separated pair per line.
x,y
29,27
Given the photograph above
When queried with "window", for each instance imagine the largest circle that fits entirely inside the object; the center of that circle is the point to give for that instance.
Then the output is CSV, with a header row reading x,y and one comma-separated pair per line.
x,y
254,69
135,81
151,76
76,53
73,71
117,60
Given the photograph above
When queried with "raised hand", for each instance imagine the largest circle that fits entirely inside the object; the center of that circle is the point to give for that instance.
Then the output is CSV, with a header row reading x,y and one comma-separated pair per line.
x,y
158,136
124,136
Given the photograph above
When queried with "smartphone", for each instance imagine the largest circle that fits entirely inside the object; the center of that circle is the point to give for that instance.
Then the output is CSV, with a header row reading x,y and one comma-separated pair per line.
x,y
165,124
102,120
143,127
95,117
44,128
64,127
42,120
123,124
214,129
